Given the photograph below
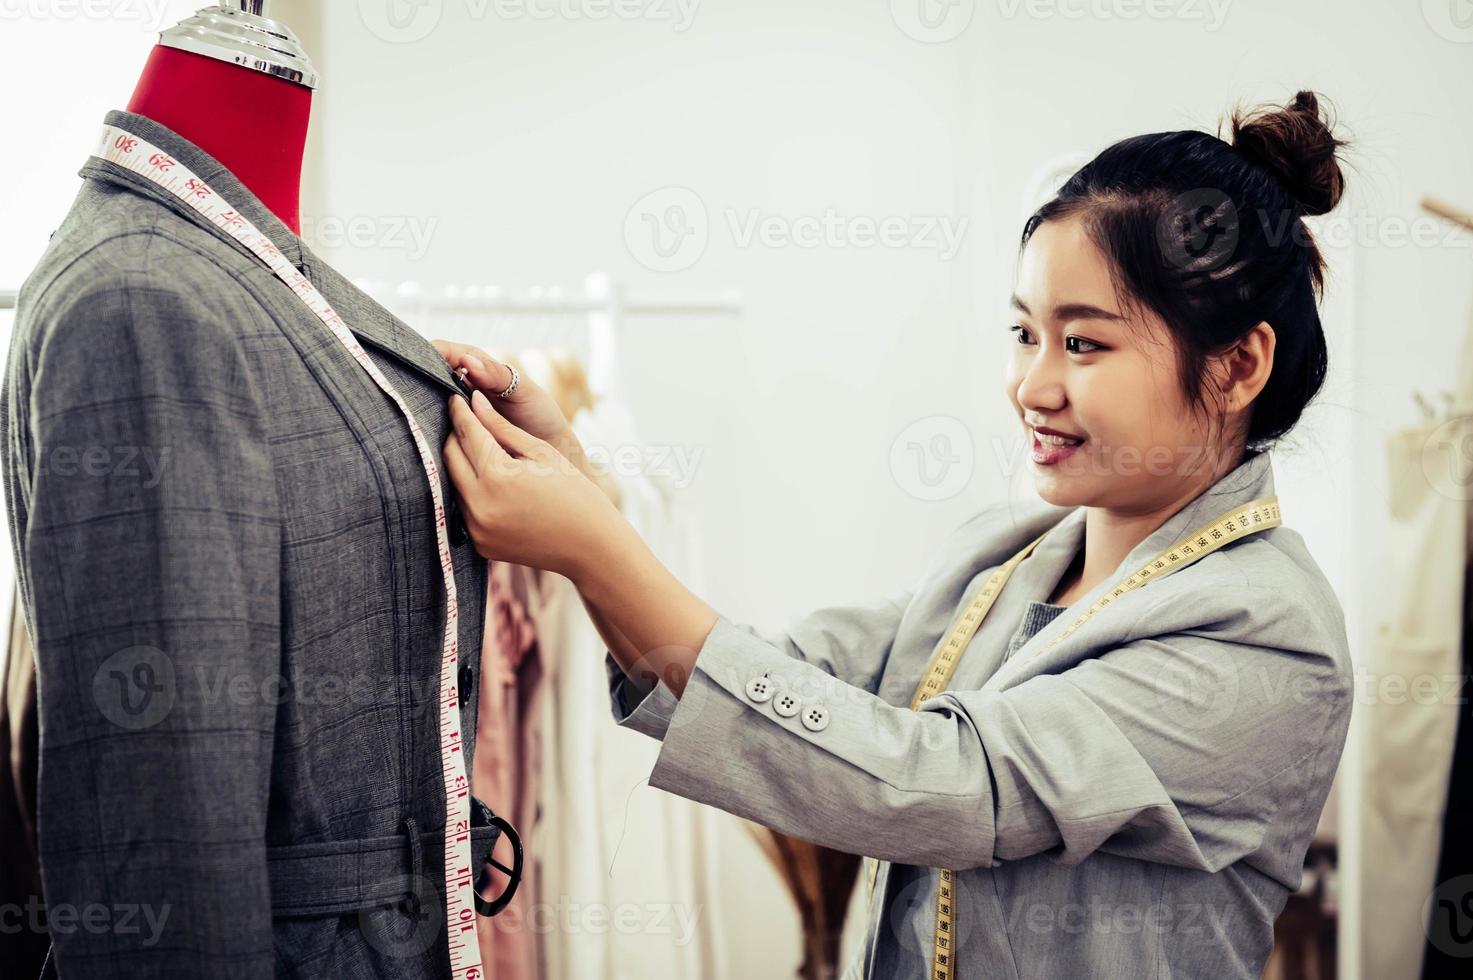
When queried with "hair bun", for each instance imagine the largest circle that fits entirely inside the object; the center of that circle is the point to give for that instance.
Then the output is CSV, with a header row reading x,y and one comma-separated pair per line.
x,y
1294,143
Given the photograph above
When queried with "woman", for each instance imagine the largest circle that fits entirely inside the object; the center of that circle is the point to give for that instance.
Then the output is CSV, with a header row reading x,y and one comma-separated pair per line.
x,y
1126,792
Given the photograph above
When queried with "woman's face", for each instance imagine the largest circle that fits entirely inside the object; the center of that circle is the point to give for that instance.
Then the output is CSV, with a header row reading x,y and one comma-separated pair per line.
x,y
1077,366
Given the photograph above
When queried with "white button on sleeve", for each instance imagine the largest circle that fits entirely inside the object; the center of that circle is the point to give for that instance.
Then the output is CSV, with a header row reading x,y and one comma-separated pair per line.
x,y
785,704
759,689
815,717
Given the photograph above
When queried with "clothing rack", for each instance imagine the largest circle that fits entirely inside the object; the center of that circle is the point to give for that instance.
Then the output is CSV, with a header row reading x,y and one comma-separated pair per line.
x,y
1444,405
1444,210
598,308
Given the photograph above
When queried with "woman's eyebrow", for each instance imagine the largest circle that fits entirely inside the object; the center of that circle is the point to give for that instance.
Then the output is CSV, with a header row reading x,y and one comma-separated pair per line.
x,y
1071,311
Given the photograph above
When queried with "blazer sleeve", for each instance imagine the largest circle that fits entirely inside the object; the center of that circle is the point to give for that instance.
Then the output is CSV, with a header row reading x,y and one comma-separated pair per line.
x,y
1177,748
851,643
153,549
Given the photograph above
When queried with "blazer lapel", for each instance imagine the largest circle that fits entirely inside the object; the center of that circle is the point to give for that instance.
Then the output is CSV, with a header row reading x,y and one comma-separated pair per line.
x,y
370,322
1253,478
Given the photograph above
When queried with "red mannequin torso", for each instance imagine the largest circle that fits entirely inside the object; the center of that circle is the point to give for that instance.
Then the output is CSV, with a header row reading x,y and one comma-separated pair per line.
x,y
253,123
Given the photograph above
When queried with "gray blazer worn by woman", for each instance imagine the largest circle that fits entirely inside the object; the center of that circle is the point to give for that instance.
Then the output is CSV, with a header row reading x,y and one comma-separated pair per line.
x,y
226,548
1135,802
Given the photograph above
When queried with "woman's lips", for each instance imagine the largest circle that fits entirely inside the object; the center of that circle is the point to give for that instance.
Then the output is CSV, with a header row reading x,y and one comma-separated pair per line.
x,y
1047,452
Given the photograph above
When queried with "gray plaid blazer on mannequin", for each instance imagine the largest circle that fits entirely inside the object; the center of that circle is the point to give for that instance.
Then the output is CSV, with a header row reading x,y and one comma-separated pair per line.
x,y
226,549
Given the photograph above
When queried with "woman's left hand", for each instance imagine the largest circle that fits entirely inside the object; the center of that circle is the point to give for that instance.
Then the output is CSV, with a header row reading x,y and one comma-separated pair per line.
x,y
523,501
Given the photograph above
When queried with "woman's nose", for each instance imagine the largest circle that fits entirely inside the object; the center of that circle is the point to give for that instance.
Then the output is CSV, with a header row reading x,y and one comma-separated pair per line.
x,y
1041,387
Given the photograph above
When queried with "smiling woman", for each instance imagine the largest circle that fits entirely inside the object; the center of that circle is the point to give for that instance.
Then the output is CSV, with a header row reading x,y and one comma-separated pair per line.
x,y
1015,783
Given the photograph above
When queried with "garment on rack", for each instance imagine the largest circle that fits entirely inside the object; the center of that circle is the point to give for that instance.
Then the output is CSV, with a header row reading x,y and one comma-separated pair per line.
x,y
508,768
1410,737
612,845
237,608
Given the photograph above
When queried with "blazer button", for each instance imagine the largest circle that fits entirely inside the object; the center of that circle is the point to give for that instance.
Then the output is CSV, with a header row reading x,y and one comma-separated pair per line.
x,y
816,718
467,677
759,689
785,704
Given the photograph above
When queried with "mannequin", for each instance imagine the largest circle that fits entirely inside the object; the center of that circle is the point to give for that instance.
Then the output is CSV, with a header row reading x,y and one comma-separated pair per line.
x,y
249,112
290,541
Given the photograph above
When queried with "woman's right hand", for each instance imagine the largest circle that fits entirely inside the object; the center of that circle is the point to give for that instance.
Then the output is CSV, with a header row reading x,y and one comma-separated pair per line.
x,y
529,408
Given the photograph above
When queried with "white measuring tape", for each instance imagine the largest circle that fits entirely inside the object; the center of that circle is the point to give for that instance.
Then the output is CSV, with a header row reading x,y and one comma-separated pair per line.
x,y
1252,517
141,157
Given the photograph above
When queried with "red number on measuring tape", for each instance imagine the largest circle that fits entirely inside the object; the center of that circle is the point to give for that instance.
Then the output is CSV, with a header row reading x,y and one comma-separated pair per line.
x,y
125,143
161,161
196,187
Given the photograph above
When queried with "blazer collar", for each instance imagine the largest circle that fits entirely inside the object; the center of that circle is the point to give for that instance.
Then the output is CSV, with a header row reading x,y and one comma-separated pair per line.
x,y
368,320
1252,478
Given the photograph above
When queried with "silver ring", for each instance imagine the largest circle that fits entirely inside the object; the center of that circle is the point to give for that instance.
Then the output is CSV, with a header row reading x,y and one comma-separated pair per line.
x,y
516,379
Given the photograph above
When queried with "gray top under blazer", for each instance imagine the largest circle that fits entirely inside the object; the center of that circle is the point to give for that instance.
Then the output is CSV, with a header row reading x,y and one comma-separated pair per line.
x,y
226,551
1134,803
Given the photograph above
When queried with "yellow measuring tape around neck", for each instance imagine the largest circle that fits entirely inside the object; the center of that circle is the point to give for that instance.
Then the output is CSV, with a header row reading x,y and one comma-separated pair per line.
x,y
1252,517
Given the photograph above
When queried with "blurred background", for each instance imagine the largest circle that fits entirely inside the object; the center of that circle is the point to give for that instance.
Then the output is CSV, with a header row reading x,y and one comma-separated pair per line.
x,y
779,237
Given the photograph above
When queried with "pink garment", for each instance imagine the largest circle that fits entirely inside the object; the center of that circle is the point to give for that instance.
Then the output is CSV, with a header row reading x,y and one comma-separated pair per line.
x,y
508,758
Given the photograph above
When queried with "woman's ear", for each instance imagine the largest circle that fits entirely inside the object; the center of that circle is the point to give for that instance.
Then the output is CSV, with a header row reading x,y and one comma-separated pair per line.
x,y
1246,368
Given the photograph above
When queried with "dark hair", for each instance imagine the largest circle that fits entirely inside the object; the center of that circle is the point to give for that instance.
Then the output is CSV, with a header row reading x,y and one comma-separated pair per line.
x,y
1209,235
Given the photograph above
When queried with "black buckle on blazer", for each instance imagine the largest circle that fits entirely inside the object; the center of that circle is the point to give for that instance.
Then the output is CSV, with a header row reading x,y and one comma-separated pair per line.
x,y
481,816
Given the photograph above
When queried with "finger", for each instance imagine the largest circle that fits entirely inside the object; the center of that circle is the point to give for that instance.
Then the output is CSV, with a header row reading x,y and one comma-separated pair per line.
x,y
458,466
481,370
478,444
516,440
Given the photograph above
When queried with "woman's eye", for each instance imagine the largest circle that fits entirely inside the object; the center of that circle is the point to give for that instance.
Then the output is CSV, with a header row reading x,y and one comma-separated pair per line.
x,y
1070,343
